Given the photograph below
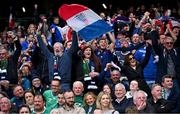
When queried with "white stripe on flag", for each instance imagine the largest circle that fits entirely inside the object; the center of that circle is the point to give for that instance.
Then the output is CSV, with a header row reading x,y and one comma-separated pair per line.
x,y
83,19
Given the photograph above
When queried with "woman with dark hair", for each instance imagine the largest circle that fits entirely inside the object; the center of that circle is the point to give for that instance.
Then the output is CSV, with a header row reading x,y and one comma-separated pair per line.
x,y
91,69
24,109
134,70
29,99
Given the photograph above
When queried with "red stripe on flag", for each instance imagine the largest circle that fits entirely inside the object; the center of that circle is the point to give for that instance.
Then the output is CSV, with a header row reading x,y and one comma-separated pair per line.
x,y
66,11
69,34
11,22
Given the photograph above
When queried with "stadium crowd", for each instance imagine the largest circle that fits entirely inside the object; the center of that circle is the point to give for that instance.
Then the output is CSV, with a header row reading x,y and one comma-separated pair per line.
x,y
135,68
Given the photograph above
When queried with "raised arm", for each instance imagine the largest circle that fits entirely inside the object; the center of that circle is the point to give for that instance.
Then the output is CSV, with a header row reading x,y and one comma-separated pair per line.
x,y
147,55
74,47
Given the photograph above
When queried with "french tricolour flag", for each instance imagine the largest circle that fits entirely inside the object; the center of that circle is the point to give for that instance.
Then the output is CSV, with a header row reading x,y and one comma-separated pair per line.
x,y
83,20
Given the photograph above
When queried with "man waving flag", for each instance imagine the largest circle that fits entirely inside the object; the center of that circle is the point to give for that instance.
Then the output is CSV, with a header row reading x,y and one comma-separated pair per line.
x,y
83,20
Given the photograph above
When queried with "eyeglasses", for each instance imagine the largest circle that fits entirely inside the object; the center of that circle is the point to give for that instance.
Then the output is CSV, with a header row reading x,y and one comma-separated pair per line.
x,y
169,43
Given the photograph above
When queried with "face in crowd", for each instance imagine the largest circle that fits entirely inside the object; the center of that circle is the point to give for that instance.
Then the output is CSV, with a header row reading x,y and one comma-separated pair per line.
x,y
58,49
39,103
29,98
69,98
5,104
87,53
55,86
134,85
3,54
115,76
107,89
24,110
132,61
156,92
36,82
140,99
167,83
168,43
102,44
18,91
105,100
78,88
135,39
61,100
89,99
120,91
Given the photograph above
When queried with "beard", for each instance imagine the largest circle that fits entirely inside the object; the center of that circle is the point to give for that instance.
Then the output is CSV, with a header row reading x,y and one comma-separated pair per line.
x,y
58,54
70,103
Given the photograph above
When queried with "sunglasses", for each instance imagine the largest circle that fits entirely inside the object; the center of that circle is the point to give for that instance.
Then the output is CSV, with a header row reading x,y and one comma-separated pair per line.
x,y
131,58
169,43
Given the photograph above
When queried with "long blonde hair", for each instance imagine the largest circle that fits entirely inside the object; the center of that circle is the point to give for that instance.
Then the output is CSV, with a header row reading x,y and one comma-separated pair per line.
x,y
99,97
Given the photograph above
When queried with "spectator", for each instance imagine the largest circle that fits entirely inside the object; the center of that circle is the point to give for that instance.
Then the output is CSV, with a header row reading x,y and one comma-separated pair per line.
x,y
29,99
171,93
8,65
107,89
103,103
104,53
91,69
78,89
120,102
134,70
170,55
5,106
89,102
56,31
134,87
39,105
141,104
51,94
115,77
59,63
69,106
18,98
24,109
160,105
37,86
61,102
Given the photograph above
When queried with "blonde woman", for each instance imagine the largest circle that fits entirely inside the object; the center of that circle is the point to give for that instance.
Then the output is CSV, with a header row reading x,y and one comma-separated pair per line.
x,y
104,104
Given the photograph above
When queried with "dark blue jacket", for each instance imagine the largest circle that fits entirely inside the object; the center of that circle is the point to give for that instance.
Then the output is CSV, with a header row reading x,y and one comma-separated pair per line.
x,y
64,63
121,107
162,63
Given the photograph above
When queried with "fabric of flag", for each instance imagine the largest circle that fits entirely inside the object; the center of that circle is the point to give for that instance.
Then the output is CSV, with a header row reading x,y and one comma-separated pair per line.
x,y
58,33
83,20
11,21
68,32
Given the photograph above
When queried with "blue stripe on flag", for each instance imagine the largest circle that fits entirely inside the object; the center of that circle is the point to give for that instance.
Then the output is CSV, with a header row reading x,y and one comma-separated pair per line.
x,y
94,30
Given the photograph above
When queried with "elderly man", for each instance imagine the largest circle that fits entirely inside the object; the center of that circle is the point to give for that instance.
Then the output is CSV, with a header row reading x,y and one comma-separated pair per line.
x,y
120,103
78,89
141,104
5,106
60,62
18,98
